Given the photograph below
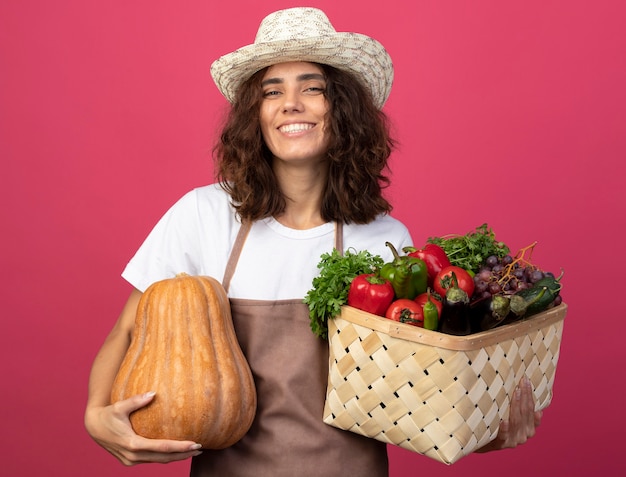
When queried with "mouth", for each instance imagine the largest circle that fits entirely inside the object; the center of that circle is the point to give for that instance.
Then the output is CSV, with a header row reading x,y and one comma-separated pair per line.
x,y
295,128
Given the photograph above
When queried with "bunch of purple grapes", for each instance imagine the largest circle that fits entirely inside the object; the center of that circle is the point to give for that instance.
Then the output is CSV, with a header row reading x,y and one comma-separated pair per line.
x,y
506,276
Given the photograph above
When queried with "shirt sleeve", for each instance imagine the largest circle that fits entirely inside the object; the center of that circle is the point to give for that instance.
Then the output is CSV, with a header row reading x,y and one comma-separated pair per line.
x,y
171,247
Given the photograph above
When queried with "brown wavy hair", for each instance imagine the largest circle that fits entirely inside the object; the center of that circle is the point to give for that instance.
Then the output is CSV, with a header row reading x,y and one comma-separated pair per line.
x,y
359,147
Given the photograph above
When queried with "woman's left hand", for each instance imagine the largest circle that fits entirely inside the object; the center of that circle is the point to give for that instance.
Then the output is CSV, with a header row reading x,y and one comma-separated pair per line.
x,y
522,422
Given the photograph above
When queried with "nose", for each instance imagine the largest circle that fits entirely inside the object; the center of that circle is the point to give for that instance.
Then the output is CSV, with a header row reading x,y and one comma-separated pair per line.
x,y
292,102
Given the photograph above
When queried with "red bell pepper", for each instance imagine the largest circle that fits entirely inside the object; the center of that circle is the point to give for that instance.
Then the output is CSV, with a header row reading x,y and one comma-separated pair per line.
x,y
434,257
370,292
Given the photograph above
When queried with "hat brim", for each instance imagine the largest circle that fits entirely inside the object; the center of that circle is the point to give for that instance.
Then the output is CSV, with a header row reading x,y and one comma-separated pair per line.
x,y
359,54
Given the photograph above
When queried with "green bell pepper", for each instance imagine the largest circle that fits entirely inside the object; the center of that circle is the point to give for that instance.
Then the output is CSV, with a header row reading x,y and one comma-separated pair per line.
x,y
408,275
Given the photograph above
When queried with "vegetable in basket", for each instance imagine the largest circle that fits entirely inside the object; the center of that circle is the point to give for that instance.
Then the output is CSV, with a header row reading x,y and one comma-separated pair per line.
x,y
433,256
433,296
431,313
431,322
455,318
528,289
503,309
488,312
464,280
470,251
541,295
330,288
544,294
408,275
370,292
406,311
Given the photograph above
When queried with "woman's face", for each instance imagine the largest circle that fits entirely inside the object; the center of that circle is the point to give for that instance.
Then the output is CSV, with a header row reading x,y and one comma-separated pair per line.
x,y
293,111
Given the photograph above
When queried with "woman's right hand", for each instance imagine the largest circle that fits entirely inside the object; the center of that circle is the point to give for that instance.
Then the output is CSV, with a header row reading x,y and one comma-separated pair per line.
x,y
110,427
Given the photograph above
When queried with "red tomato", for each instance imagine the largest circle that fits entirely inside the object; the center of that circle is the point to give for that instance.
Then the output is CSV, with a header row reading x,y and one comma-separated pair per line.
x,y
423,298
406,311
443,280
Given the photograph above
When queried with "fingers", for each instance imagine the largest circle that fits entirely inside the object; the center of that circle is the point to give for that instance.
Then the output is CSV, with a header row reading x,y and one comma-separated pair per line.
x,y
165,446
118,437
127,406
522,421
522,418
522,413
138,450
141,450
527,407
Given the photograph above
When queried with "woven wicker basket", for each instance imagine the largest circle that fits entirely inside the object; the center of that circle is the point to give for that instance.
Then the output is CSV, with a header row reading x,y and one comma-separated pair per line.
x,y
439,395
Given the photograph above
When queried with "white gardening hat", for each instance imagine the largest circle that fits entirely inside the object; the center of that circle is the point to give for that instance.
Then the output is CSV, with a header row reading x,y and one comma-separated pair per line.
x,y
306,34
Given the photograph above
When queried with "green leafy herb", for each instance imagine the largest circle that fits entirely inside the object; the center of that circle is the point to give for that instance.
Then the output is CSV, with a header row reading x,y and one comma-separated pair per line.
x,y
330,287
470,251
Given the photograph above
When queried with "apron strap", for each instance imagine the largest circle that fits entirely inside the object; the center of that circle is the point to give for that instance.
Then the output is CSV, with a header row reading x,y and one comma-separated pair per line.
x,y
339,237
246,225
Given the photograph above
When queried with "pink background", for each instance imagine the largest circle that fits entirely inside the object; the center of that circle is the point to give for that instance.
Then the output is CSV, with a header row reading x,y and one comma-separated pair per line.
x,y
510,113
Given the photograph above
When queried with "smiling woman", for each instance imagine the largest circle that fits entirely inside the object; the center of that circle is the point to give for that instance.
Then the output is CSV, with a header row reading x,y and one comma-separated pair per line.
x,y
301,163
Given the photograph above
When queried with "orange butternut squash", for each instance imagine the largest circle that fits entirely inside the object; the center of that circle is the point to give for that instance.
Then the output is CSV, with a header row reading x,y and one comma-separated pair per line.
x,y
184,348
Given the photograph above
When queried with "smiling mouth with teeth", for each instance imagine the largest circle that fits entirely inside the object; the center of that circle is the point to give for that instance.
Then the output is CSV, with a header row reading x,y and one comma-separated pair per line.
x,y
293,128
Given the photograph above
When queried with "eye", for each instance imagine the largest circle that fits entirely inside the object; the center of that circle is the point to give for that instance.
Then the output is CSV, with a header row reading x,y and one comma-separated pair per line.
x,y
270,92
315,89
